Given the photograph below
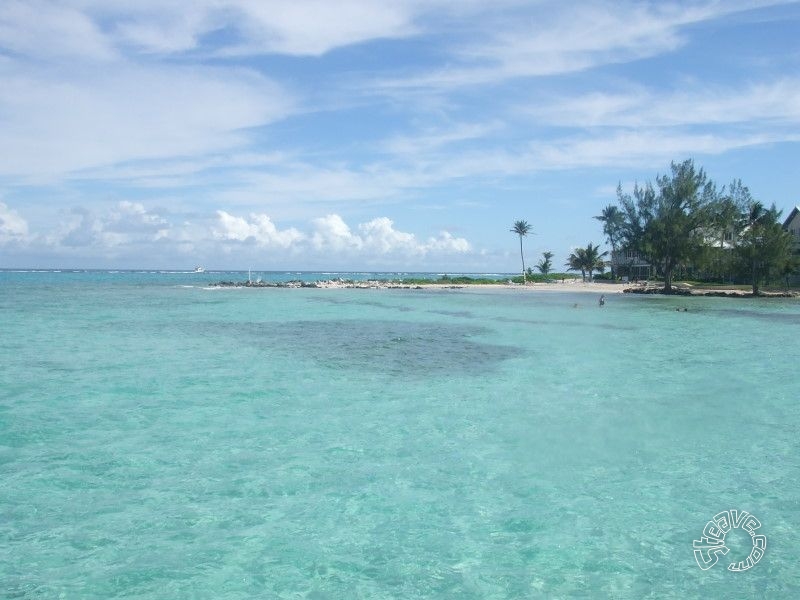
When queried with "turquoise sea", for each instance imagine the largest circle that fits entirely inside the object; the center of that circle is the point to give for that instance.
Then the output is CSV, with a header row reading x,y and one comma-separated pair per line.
x,y
159,439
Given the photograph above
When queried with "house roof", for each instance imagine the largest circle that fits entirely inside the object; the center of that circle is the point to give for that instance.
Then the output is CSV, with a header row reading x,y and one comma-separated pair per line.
x,y
791,217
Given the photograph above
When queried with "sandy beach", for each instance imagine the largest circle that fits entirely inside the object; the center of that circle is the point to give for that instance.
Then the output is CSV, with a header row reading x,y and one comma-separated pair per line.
x,y
567,286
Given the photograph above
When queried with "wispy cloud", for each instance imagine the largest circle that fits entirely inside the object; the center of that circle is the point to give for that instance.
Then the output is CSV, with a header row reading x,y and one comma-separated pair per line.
x,y
557,38
435,139
241,27
95,117
644,148
768,103
53,31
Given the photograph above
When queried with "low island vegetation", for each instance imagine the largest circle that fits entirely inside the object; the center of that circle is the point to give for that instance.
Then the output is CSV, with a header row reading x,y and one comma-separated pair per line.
x,y
685,226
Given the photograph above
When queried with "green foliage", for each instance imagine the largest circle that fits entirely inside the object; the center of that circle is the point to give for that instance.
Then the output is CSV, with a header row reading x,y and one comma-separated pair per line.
x,y
669,226
676,233
605,276
546,264
587,259
684,225
637,209
448,280
613,220
764,249
521,228
540,278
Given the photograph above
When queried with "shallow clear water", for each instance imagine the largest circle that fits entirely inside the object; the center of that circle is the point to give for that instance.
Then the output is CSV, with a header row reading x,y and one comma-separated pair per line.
x,y
161,440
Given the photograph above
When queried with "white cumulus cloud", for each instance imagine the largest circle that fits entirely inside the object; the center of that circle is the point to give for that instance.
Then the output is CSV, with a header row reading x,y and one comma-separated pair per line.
x,y
379,237
126,223
133,217
13,228
258,229
133,234
333,233
446,242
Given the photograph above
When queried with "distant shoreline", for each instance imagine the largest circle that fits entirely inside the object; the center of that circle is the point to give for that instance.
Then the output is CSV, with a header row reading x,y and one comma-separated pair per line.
x,y
568,286
555,286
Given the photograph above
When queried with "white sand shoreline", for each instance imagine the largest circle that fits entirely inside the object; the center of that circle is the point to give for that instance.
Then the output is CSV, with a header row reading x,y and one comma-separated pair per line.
x,y
571,286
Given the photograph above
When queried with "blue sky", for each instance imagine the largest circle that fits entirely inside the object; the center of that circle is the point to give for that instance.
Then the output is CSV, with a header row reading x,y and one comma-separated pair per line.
x,y
361,134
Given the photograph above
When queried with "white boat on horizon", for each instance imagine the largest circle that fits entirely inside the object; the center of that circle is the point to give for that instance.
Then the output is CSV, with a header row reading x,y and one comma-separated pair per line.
x,y
199,270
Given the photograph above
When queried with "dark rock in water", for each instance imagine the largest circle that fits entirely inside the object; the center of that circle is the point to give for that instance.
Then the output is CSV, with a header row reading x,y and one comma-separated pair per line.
x,y
658,290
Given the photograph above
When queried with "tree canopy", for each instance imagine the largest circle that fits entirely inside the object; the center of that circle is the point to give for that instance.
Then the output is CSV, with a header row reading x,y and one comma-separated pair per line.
x,y
764,248
613,220
586,260
546,264
685,221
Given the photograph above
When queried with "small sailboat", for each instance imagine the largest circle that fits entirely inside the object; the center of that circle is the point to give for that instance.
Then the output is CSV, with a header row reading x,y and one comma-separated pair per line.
x,y
199,270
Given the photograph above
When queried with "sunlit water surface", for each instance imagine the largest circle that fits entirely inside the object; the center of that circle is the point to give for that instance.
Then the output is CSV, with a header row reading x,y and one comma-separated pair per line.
x,y
159,439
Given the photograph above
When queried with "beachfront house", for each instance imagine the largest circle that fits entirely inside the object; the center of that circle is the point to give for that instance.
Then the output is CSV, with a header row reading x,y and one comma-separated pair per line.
x,y
630,265
722,238
792,225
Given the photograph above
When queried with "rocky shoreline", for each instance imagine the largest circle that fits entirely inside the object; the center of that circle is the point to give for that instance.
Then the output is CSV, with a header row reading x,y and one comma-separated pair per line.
x,y
687,291
344,284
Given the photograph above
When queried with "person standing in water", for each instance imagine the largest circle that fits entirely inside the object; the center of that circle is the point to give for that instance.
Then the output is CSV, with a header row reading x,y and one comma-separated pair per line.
x,y
602,300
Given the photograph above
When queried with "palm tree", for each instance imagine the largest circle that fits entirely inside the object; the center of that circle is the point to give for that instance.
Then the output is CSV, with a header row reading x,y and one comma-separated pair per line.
x,y
764,244
594,259
729,218
545,264
613,220
577,261
754,214
521,228
586,259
